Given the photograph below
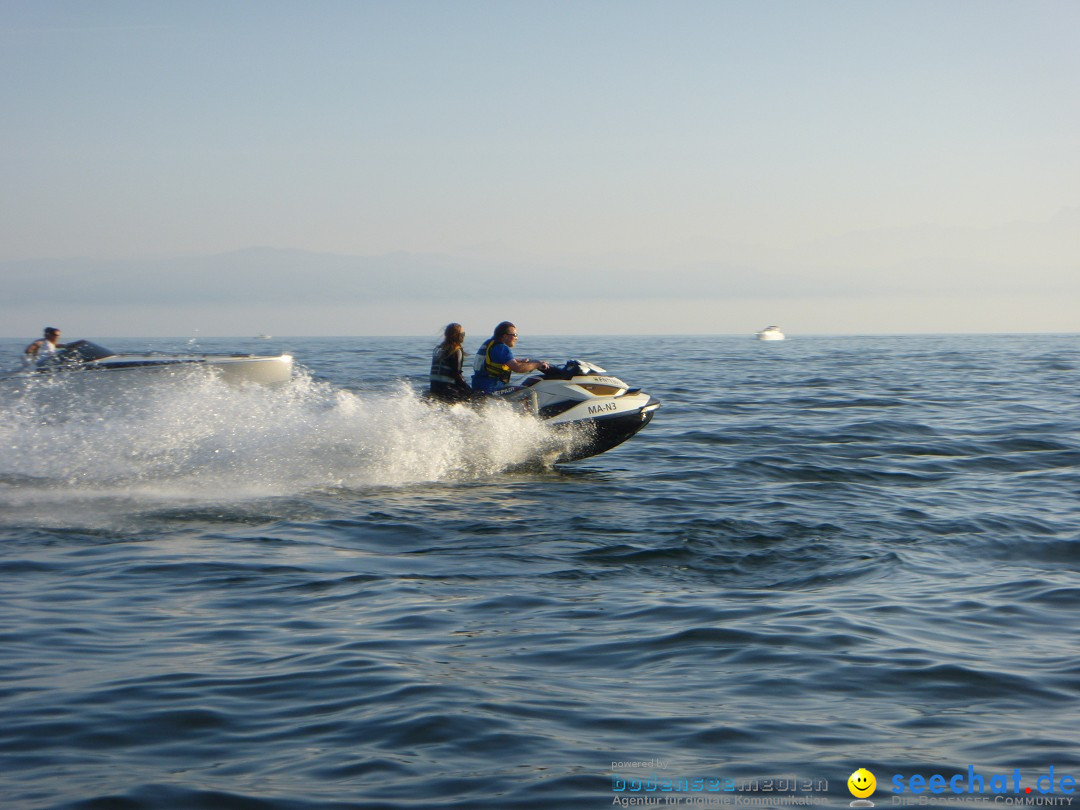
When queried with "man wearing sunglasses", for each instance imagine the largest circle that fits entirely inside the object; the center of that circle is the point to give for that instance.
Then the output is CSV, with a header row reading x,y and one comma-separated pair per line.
x,y
495,360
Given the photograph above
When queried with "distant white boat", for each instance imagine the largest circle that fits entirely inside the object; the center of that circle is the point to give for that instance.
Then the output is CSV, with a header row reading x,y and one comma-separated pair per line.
x,y
770,333
263,337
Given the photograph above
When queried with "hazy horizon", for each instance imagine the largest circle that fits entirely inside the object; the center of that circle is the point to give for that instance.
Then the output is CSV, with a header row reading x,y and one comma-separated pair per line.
x,y
693,167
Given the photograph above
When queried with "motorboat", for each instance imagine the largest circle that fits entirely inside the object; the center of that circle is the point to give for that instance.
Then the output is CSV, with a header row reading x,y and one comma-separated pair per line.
x,y
770,333
85,361
598,410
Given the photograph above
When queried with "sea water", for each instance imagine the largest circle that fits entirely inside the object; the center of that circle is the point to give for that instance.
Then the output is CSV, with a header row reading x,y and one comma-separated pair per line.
x,y
823,554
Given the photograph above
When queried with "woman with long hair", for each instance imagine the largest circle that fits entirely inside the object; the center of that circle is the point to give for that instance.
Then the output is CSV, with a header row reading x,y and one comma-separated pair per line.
x,y
447,382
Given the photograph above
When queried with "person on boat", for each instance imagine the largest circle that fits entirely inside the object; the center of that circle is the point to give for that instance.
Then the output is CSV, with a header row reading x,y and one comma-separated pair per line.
x,y
447,382
43,347
495,360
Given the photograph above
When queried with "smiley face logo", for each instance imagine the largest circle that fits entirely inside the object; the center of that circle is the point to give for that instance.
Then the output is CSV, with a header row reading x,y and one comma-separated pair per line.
x,y
862,783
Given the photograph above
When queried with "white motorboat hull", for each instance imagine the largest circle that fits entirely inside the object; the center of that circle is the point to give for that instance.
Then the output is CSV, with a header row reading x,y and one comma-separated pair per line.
x,y
772,333
87,366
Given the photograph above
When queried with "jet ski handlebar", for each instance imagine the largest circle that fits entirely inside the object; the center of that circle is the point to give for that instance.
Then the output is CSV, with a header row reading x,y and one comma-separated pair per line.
x,y
571,369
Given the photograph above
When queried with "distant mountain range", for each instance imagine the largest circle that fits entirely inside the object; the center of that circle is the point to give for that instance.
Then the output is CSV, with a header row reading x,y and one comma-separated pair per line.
x,y
1017,256
281,276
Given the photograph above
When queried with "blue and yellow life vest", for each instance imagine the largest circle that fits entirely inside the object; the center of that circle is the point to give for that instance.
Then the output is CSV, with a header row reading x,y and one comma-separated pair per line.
x,y
484,365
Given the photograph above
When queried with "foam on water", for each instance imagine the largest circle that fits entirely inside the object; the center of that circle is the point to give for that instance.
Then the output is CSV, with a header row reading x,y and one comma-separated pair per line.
x,y
199,439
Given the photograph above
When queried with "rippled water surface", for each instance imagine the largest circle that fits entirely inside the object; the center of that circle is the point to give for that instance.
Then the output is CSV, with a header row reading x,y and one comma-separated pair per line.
x,y
823,554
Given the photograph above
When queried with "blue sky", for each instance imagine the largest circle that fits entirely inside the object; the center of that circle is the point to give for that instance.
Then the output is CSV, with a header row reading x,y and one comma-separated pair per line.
x,y
707,167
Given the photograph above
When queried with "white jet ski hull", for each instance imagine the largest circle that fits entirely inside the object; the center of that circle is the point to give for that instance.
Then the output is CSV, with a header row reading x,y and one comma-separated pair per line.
x,y
600,410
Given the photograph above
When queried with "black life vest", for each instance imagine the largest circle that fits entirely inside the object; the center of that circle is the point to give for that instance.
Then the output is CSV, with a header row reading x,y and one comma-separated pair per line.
x,y
446,366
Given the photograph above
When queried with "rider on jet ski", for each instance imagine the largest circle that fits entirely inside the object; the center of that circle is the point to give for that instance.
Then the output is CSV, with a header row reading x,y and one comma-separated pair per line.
x,y
446,381
495,361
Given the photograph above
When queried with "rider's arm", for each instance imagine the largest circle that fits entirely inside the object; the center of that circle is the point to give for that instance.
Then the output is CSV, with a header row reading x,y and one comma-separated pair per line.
x,y
525,365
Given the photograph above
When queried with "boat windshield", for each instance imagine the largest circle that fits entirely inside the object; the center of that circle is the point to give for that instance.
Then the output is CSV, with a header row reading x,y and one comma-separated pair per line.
x,y
83,351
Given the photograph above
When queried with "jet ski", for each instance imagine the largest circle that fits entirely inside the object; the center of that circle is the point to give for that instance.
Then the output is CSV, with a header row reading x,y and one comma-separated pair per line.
x,y
599,410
